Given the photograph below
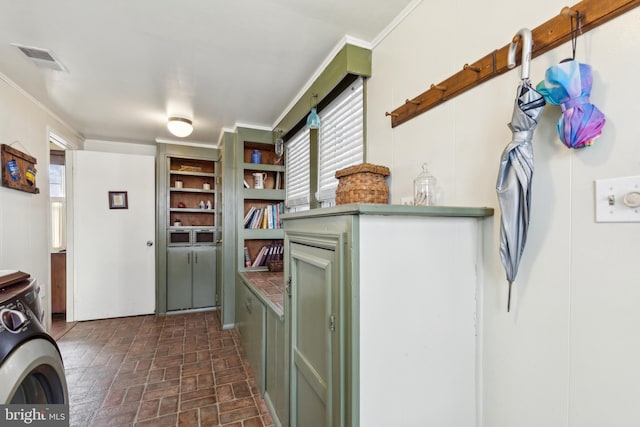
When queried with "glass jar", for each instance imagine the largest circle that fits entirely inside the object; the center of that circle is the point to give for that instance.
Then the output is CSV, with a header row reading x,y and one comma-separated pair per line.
x,y
424,188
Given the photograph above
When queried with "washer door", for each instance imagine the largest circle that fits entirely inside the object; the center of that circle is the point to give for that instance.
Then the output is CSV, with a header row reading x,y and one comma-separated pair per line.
x,y
33,374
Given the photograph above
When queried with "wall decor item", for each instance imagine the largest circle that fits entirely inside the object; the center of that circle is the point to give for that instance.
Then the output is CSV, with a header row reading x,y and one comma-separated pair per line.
x,y
18,170
118,200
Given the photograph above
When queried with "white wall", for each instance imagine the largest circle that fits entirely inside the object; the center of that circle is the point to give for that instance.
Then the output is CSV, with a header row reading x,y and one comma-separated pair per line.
x,y
567,353
119,147
24,217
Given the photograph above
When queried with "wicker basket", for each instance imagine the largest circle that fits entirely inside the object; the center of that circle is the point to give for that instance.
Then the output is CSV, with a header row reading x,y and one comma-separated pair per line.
x,y
275,265
362,183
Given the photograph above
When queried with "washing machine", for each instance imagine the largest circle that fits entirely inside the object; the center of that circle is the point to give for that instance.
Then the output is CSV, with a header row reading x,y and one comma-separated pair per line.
x,y
31,369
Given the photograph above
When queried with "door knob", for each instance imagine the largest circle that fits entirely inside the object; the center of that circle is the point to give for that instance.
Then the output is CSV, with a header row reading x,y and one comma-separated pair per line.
x,y
149,243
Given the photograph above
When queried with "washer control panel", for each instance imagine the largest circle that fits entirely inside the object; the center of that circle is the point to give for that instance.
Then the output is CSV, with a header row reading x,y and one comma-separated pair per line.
x,y
14,317
13,320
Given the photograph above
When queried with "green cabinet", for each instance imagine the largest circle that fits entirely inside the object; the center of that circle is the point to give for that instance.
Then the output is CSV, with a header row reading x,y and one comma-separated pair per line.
x,y
250,326
381,317
188,227
274,394
261,332
191,273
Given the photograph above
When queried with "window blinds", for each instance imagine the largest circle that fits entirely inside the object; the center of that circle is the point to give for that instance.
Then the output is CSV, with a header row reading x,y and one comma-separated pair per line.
x,y
341,138
297,170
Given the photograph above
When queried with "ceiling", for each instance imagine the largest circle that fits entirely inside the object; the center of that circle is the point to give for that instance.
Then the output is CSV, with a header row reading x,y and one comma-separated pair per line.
x,y
131,64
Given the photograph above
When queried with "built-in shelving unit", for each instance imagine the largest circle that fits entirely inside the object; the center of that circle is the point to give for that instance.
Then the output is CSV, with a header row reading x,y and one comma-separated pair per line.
x,y
188,227
259,209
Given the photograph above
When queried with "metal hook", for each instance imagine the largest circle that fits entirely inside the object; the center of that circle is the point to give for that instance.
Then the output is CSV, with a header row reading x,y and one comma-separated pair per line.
x,y
386,113
411,101
527,41
439,87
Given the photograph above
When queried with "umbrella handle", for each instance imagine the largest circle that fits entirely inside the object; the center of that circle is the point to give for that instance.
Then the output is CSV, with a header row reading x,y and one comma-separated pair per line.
x,y
523,35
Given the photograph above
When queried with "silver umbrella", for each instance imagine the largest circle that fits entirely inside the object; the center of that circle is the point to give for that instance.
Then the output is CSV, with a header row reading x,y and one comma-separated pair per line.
x,y
516,166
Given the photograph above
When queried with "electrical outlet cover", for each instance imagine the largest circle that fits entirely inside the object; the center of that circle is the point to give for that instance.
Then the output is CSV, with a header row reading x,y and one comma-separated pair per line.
x,y
609,199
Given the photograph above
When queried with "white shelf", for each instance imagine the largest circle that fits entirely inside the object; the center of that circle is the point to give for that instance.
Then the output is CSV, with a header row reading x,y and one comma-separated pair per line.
x,y
191,190
189,173
188,210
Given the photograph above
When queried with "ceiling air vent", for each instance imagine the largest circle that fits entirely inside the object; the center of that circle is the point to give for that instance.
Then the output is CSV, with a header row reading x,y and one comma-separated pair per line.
x,y
43,58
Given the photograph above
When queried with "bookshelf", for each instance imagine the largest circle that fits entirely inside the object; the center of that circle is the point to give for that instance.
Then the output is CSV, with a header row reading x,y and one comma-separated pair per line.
x,y
259,209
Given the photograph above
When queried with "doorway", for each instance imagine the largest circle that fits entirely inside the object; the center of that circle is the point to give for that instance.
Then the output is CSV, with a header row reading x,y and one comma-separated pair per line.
x,y
59,186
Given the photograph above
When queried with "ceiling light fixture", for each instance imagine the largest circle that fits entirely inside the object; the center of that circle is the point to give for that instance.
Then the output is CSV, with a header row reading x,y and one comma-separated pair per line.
x,y
180,126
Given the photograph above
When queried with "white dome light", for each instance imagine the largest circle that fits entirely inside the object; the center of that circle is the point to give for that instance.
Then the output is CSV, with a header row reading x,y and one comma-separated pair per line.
x,y
180,126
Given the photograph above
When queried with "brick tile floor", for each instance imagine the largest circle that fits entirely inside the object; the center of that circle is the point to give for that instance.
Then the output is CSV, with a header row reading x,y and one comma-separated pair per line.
x,y
177,370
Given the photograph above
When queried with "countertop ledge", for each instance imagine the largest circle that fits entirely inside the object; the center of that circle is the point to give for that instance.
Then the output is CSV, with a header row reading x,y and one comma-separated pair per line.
x,y
398,210
268,287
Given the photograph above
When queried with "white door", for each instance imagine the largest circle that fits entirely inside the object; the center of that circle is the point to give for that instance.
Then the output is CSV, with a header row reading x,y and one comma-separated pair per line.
x,y
114,252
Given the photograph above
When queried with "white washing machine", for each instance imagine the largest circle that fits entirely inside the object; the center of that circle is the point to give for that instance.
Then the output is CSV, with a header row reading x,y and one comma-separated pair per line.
x,y
31,369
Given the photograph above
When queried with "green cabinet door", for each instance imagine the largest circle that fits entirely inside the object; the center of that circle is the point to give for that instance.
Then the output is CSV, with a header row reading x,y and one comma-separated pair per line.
x,y
316,353
274,366
178,278
204,276
250,325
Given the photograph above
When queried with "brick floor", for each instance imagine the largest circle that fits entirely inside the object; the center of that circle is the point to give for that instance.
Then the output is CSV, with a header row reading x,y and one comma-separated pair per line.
x,y
177,370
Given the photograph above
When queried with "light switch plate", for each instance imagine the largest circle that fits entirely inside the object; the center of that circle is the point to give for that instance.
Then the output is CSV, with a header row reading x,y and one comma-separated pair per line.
x,y
610,193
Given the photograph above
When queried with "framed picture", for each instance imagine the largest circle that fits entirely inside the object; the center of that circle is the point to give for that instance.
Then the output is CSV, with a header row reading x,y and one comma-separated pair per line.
x,y
118,200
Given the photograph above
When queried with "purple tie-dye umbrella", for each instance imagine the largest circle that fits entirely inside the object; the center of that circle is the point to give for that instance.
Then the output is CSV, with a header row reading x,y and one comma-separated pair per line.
x,y
568,85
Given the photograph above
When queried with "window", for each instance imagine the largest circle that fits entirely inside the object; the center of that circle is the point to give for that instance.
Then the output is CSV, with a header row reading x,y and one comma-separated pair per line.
x,y
58,206
341,139
340,144
297,171
56,180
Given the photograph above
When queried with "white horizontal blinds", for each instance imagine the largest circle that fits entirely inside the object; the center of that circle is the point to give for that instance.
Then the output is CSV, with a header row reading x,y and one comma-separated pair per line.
x,y
341,138
297,170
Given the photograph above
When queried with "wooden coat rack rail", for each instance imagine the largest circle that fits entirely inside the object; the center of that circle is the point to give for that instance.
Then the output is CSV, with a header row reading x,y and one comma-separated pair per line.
x,y
549,35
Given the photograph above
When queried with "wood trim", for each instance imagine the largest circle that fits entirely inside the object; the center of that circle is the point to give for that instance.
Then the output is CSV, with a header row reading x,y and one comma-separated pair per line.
x,y
546,36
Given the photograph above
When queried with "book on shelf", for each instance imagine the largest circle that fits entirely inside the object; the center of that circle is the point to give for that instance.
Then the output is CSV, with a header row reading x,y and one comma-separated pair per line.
x,y
256,220
271,252
248,216
278,183
267,217
260,257
247,258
